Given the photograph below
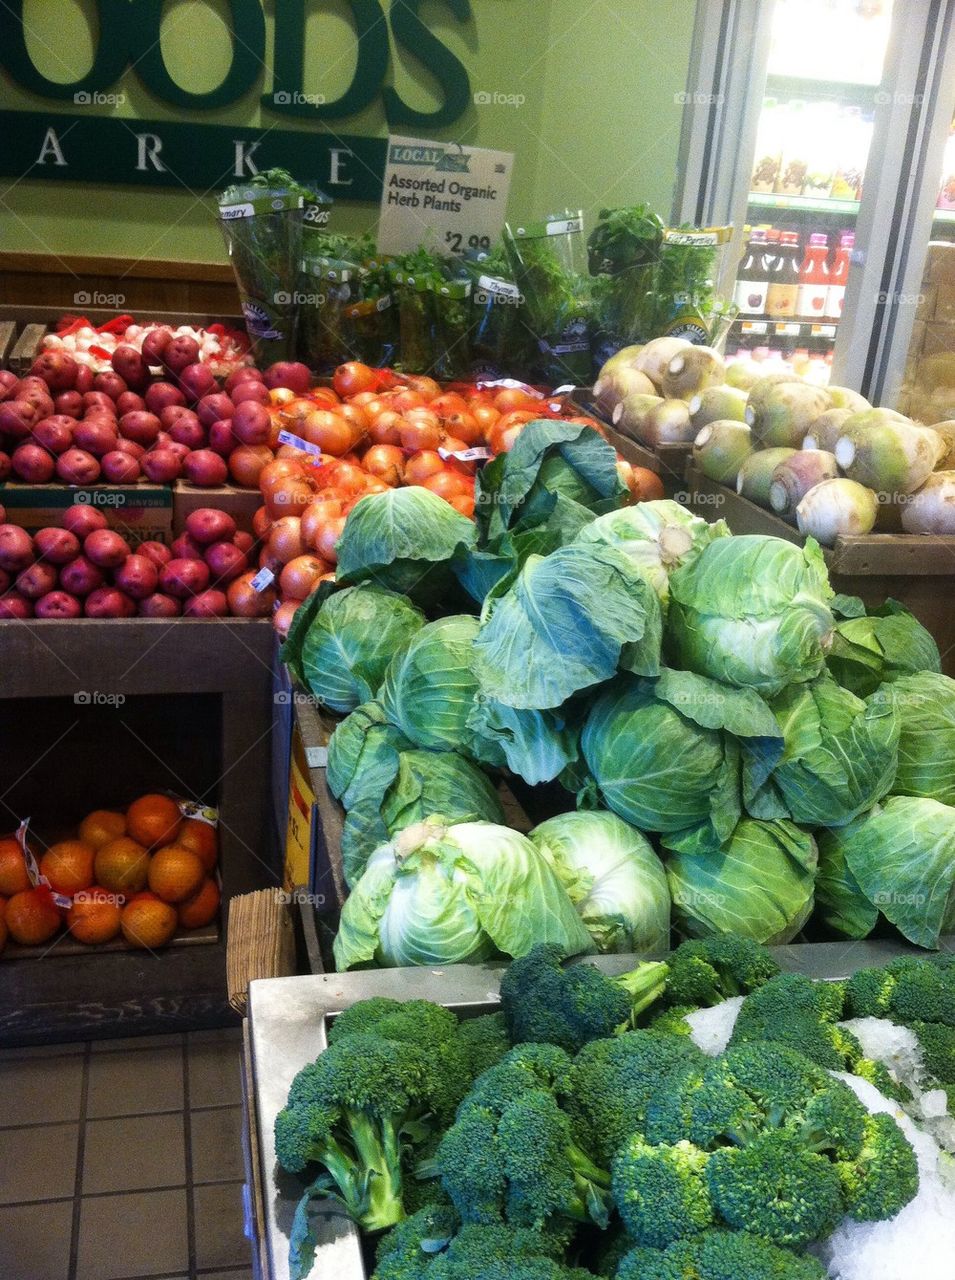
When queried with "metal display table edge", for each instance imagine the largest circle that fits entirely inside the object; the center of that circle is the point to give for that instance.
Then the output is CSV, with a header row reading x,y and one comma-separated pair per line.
x,y
287,1028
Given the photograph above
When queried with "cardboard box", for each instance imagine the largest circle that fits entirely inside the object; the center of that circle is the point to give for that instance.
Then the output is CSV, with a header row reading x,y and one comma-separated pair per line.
x,y
240,504
300,837
940,262
140,512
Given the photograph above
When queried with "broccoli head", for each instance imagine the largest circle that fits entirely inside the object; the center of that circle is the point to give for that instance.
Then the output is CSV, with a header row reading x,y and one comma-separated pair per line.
x,y
792,994
484,1041
613,1082
672,1020
546,1003
349,1111
661,1192
406,1251
706,971
884,1176
512,1154
430,1246
937,1042
720,1255
362,1017
776,1188
908,989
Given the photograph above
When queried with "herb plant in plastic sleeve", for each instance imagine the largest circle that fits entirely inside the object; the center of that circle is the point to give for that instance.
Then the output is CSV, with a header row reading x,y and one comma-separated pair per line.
x,y
439,894
614,879
898,860
758,883
262,224
752,611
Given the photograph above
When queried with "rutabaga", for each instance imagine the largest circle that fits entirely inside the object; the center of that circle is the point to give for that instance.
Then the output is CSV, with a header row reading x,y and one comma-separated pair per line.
x,y
947,431
610,388
667,422
932,508
794,477
887,452
613,877
715,403
826,429
743,374
630,414
720,448
656,355
691,370
756,473
846,398
837,507
785,413
761,388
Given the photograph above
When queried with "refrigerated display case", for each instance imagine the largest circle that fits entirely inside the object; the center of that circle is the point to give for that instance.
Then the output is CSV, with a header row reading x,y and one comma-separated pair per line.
x,y
829,118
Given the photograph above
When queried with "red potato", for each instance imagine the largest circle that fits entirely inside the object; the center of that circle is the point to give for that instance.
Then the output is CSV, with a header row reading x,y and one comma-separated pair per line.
x,y
76,466
249,390
207,525
15,606
141,426
131,367
245,601
159,606
251,423
5,465
162,466
110,384
8,383
69,402
106,548
180,352
245,373
291,374
214,406
154,344
129,402
36,580
16,548
95,436
131,447
137,576
187,430
119,467
197,380
58,604
55,434
226,561
98,400
18,418
182,578
107,602
82,519
80,577
157,552
171,413
206,469
56,368
185,547
58,546
33,464
222,438
163,395
84,379
207,604
6,579
181,451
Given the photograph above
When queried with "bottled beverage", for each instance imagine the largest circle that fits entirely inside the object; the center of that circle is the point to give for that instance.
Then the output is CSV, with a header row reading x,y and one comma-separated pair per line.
x,y
783,292
836,293
813,279
769,145
752,279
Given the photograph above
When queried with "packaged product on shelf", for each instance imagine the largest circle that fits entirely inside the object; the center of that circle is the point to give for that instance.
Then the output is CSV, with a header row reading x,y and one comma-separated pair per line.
x,y
821,120
496,335
836,293
783,291
769,148
814,279
853,136
316,221
373,316
262,224
415,276
547,259
752,278
795,154
452,327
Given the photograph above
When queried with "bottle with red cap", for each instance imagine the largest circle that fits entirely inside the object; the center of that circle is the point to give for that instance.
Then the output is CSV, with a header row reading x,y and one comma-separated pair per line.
x,y
814,279
838,276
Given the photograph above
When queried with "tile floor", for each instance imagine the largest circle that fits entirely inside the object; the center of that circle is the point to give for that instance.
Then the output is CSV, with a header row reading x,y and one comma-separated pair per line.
x,y
122,1160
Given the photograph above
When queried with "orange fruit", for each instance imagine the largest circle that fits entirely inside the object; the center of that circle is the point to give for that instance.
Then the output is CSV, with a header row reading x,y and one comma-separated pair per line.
x,y
94,916
175,873
147,921
101,826
201,908
32,918
153,820
68,865
13,870
202,839
122,866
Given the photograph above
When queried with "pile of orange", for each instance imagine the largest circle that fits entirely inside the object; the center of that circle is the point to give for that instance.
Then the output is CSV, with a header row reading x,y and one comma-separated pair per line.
x,y
144,874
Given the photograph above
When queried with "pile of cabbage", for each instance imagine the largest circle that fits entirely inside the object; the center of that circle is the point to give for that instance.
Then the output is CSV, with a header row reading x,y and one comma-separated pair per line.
x,y
741,750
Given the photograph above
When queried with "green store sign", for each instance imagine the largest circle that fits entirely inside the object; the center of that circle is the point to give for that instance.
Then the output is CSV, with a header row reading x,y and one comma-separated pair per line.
x,y
90,148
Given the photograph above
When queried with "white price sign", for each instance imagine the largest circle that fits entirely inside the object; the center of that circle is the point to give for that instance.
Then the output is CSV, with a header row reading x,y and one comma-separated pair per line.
x,y
449,197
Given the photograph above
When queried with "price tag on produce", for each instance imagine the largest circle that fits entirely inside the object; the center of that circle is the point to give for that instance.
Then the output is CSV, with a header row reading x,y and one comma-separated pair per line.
x,y
445,196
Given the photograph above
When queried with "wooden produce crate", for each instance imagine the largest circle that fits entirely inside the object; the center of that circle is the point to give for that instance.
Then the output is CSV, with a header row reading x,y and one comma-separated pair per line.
x,y
669,461
918,570
240,504
140,512
8,337
93,713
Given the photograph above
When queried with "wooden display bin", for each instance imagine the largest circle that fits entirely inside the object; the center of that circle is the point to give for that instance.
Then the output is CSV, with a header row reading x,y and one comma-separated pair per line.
x,y
918,570
92,714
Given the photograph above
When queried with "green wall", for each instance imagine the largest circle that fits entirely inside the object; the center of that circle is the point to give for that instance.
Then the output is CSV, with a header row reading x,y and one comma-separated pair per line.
x,y
599,122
